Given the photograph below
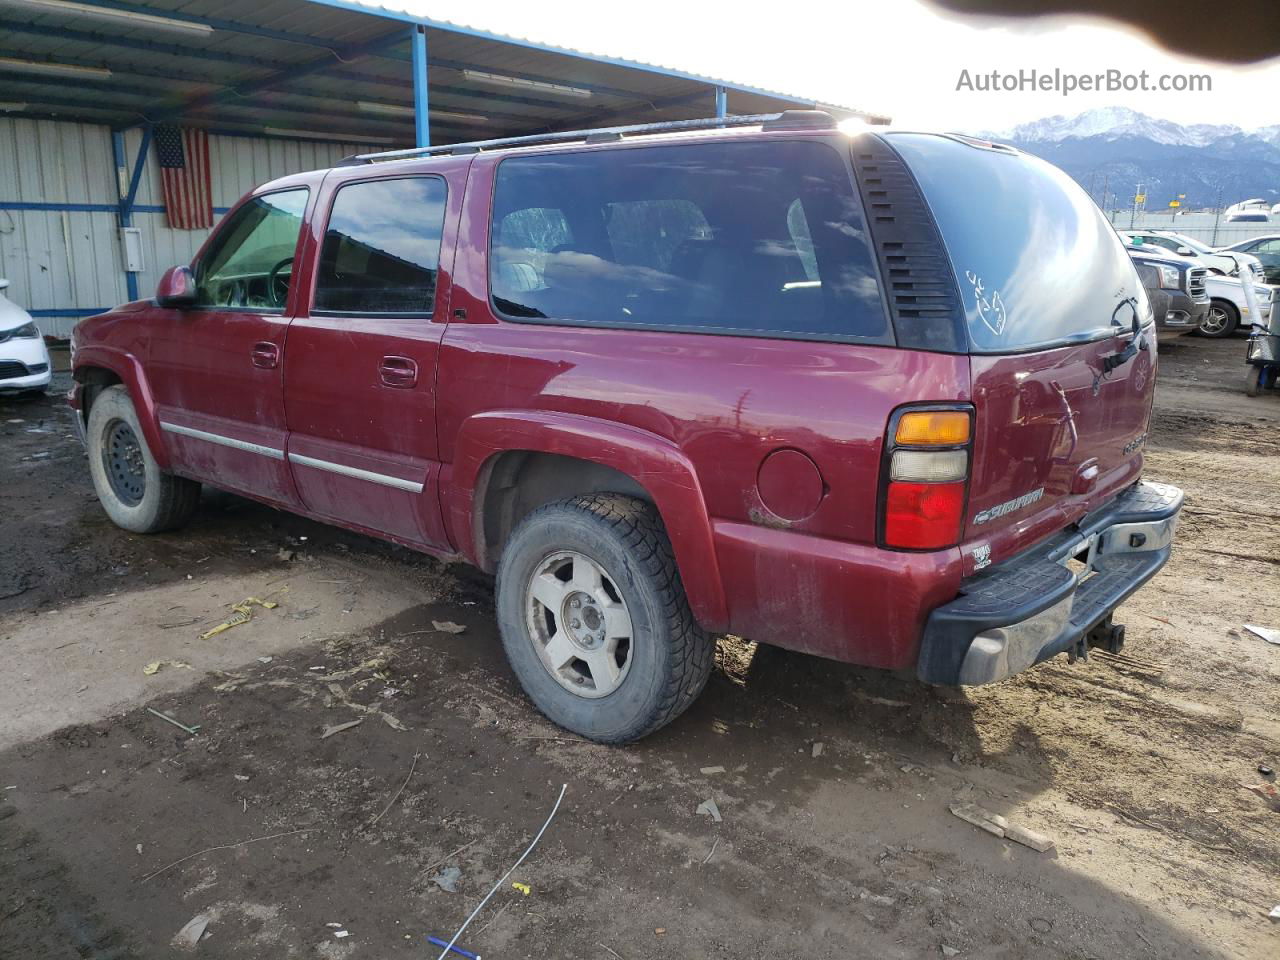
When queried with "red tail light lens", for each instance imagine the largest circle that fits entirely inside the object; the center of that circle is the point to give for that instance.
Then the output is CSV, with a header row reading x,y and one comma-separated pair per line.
x,y
923,516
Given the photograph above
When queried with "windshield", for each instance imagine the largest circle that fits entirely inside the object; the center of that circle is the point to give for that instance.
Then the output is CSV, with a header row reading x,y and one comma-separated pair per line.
x,y
1191,242
1037,263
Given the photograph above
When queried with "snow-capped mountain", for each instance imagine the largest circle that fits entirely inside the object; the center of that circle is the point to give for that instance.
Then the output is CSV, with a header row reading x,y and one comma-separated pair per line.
x,y
1126,122
1111,150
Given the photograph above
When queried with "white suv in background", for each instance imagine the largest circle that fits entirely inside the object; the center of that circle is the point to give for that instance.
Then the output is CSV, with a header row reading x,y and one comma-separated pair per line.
x,y
24,360
1189,248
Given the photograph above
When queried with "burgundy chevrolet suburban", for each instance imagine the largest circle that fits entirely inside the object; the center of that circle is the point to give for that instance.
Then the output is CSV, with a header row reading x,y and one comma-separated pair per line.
x,y
877,397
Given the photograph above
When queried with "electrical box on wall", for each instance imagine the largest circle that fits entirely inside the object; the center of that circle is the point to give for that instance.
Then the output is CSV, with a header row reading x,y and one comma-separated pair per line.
x,y
131,246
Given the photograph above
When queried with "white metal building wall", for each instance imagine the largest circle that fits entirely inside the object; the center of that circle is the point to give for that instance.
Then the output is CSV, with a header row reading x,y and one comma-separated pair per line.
x,y
59,236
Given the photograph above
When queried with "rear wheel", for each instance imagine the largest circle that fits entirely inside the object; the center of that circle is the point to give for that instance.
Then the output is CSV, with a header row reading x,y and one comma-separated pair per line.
x,y
1253,380
136,494
595,621
1221,320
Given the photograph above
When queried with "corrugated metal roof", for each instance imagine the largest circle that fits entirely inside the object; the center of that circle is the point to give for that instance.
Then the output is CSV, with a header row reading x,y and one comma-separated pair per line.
x,y
332,67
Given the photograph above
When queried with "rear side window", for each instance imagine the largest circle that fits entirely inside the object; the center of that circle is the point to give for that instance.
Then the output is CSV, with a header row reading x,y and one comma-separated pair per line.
x,y
1037,263
381,248
763,239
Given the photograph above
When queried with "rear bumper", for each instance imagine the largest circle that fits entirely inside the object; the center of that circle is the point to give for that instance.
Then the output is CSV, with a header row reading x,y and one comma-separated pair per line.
x,y
1034,606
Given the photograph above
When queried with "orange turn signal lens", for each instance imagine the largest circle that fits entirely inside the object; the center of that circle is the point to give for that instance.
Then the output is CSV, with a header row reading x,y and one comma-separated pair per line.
x,y
933,428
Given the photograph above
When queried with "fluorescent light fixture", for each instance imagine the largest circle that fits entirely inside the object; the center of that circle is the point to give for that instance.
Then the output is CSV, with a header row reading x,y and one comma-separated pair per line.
x,y
110,13
386,109
12,107
313,135
501,80
465,117
58,69
397,110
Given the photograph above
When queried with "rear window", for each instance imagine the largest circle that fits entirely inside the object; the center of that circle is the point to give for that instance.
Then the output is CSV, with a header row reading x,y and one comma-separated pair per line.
x,y
763,239
1037,263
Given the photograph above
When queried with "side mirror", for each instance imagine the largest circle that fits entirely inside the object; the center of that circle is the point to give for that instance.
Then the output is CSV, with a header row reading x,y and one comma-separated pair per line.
x,y
1184,251
177,288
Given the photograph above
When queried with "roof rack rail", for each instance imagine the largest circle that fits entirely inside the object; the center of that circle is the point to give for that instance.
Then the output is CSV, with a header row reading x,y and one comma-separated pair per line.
x,y
786,120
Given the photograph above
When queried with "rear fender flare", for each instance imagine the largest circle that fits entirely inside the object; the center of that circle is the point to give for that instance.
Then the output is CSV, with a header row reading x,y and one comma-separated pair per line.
x,y
128,368
653,462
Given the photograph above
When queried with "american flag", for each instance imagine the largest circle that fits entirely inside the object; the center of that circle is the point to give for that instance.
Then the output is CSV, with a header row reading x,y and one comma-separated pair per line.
x,y
184,171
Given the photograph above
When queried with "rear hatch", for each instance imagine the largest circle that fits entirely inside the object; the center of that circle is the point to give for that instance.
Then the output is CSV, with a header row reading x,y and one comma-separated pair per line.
x,y
1049,294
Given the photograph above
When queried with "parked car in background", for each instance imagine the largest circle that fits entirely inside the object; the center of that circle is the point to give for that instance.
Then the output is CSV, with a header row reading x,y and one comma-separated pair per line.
x,y
1176,288
1180,245
1266,249
24,359
753,376
1229,307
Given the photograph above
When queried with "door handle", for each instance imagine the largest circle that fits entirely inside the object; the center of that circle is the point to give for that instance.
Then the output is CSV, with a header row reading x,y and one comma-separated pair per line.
x,y
265,354
398,372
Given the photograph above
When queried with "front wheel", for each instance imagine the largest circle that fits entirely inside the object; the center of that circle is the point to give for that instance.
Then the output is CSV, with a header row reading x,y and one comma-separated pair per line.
x,y
1220,320
595,621
136,494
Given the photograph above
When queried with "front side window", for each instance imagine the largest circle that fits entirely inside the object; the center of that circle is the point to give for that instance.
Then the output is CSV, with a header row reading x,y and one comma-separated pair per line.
x,y
250,262
752,238
382,248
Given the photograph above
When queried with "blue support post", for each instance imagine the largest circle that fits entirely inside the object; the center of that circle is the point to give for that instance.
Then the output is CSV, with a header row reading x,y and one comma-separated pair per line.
x,y
722,103
421,112
124,212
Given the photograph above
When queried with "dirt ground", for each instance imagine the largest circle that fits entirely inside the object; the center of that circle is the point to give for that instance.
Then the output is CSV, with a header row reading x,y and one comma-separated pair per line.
x,y
116,828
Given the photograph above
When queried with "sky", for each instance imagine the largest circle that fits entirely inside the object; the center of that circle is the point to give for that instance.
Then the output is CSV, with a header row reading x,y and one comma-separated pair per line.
x,y
903,58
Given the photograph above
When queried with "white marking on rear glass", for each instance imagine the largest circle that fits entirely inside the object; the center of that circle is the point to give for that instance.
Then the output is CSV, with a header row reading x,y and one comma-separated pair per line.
x,y
990,308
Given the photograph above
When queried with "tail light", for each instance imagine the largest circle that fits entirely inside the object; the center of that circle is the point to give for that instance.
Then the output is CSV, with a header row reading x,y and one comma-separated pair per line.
x,y
925,486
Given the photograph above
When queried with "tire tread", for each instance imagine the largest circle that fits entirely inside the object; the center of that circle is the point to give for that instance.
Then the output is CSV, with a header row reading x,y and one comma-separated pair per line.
x,y
637,524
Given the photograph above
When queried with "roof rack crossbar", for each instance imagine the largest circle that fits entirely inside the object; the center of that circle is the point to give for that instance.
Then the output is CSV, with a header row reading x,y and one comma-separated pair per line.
x,y
571,136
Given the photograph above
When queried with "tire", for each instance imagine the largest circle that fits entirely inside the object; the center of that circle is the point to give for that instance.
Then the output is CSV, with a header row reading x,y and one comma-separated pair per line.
x,y
1220,320
666,658
136,494
1253,380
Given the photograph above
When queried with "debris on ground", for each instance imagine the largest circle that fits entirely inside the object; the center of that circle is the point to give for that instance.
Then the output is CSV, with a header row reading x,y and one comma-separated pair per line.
x,y
877,899
448,626
265,659
341,933
1275,912
242,614
452,948
1266,633
339,727
949,951
155,666
1265,770
372,665
1267,791
191,932
522,887
817,749
193,730
709,808
448,879
284,556
710,770
998,826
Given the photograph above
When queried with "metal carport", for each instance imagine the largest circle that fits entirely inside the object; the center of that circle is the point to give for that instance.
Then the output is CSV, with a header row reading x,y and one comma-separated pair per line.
x,y
313,70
